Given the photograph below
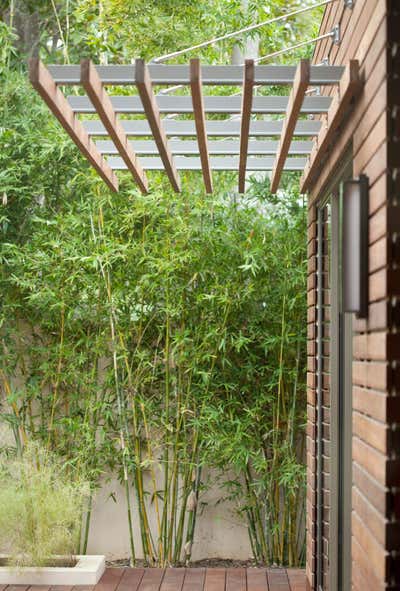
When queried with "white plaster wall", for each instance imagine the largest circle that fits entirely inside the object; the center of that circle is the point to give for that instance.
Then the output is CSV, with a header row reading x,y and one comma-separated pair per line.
x,y
219,532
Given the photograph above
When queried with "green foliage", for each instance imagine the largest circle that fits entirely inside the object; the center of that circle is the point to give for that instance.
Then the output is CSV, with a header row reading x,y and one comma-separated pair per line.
x,y
116,31
257,407
41,503
7,51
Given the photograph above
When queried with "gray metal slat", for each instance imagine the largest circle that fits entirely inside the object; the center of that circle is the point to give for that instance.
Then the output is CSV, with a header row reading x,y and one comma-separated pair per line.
x,y
189,147
212,75
140,128
212,104
217,163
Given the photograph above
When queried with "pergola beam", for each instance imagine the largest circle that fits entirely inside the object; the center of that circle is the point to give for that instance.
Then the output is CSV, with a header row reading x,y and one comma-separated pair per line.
x,y
171,75
217,147
43,82
144,86
217,163
229,105
349,86
200,121
93,85
187,128
296,99
247,103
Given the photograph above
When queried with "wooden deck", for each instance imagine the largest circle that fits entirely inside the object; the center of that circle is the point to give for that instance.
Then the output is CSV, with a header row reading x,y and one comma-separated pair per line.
x,y
187,579
202,579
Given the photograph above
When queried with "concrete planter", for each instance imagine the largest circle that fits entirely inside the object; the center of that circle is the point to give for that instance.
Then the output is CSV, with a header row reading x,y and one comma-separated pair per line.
x,y
86,571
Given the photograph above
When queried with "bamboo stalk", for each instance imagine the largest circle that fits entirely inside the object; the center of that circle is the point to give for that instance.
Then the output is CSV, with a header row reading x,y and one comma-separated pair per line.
x,y
87,523
58,374
107,282
20,434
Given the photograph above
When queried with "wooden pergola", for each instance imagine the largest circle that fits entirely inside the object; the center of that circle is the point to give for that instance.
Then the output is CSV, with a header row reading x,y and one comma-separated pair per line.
x,y
241,139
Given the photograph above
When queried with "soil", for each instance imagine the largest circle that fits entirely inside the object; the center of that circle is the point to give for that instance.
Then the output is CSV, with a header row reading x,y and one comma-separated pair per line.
x,y
206,563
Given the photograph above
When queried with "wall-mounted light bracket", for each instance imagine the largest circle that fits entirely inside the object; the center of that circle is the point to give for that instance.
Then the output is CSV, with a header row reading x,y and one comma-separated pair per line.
x,y
336,34
355,246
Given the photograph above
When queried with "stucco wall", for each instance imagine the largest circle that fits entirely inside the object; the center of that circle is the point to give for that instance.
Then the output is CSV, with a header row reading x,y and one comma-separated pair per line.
x,y
219,532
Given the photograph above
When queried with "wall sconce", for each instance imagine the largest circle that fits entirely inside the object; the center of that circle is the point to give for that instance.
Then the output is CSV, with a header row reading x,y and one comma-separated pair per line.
x,y
355,246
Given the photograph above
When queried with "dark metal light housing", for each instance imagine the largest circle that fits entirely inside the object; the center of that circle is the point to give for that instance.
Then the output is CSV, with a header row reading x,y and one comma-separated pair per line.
x,y
355,246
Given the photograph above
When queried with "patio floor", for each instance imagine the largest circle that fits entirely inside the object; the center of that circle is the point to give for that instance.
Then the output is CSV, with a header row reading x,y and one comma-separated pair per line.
x,y
202,579
188,579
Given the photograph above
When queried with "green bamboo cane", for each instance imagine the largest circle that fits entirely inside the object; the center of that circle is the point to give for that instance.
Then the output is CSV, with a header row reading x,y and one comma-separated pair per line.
x,y
87,522
192,516
107,282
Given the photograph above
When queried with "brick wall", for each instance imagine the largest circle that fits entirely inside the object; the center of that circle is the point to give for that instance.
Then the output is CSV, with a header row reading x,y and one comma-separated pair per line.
x,y
370,33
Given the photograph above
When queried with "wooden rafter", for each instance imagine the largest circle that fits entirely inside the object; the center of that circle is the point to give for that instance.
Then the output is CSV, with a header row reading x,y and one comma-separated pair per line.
x,y
93,85
43,82
247,102
200,121
349,86
296,97
144,86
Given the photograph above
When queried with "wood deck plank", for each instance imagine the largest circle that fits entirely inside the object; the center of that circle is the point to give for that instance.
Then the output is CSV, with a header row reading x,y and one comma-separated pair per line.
x,y
297,579
131,579
186,579
236,579
194,579
173,579
278,579
110,579
152,579
215,579
257,579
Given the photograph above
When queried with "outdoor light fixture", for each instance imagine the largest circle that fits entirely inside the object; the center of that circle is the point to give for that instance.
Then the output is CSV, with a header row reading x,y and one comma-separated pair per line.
x,y
355,246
